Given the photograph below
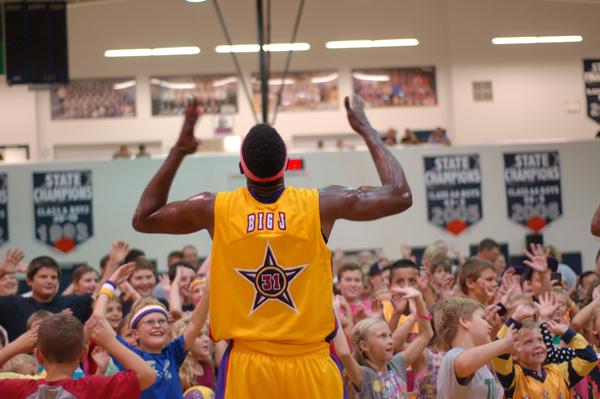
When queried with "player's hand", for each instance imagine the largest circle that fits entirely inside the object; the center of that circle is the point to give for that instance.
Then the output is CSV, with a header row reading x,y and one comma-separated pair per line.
x,y
356,115
187,143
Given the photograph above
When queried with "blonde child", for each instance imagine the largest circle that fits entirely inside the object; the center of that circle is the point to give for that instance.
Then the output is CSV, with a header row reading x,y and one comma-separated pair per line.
x,y
373,369
198,366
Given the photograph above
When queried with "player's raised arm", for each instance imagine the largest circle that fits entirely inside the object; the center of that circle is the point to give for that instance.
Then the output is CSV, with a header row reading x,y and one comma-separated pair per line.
x,y
596,223
153,213
367,203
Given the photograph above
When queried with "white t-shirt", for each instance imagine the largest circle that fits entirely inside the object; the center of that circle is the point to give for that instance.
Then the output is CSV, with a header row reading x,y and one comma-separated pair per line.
x,y
481,385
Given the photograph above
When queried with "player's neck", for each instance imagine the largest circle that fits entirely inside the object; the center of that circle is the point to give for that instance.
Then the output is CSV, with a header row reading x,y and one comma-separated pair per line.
x,y
268,193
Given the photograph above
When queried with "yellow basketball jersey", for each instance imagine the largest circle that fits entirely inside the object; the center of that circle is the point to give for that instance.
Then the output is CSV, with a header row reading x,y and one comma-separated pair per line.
x,y
271,279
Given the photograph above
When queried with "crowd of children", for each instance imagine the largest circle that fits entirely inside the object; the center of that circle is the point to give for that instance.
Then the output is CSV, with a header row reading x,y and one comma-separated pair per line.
x,y
445,327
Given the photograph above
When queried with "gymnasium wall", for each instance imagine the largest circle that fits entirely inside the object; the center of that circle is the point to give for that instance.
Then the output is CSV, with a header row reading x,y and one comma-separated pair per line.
x,y
118,184
538,90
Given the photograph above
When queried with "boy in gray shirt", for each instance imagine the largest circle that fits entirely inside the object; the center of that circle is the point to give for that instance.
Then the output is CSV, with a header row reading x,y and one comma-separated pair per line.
x,y
464,373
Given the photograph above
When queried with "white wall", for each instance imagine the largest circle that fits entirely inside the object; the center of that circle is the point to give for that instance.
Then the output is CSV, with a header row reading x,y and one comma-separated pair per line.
x,y
118,184
18,119
531,83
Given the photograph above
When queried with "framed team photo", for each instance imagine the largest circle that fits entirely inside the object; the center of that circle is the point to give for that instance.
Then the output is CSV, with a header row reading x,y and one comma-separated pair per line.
x,y
217,94
396,87
302,91
94,99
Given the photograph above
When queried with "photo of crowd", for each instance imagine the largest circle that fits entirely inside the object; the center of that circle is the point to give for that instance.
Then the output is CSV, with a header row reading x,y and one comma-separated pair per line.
x,y
92,99
216,93
396,86
303,91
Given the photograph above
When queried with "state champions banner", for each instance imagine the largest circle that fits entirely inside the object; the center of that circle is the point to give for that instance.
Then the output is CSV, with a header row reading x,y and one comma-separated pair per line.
x,y
453,190
591,77
3,208
62,204
533,190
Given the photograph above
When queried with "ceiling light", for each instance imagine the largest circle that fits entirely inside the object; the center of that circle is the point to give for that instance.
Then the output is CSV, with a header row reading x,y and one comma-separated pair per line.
x,y
371,43
286,47
152,52
195,1
537,39
254,48
173,85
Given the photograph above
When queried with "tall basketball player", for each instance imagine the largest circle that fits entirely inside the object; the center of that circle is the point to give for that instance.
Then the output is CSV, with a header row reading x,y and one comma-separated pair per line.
x,y
271,277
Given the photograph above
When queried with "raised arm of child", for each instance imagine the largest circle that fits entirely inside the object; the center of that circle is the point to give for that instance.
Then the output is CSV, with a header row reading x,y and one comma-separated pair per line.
x,y
400,335
585,357
197,321
104,336
471,360
503,362
107,291
175,307
25,343
342,350
547,308
116,255
417,346
585,314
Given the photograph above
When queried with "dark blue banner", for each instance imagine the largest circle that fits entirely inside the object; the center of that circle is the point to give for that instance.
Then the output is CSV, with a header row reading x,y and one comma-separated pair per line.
x,y
591,76
3,208
453,189
533,193
62,204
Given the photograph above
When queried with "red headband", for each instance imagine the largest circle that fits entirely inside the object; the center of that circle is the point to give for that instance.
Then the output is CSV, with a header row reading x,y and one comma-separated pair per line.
x,y
255,178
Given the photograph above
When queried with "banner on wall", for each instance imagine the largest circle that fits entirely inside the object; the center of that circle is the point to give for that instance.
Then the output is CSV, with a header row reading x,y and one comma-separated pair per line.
x,y
3,208
533,193
453,189
62,204
591,76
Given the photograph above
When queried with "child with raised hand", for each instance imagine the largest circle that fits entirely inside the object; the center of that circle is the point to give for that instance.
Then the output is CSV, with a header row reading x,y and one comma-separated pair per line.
x,y
460,323
529,377
149,324
373,369
25,343
60,348
198,367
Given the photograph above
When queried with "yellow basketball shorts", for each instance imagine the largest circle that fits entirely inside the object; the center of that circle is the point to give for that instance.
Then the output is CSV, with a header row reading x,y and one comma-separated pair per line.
x,y
246,374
